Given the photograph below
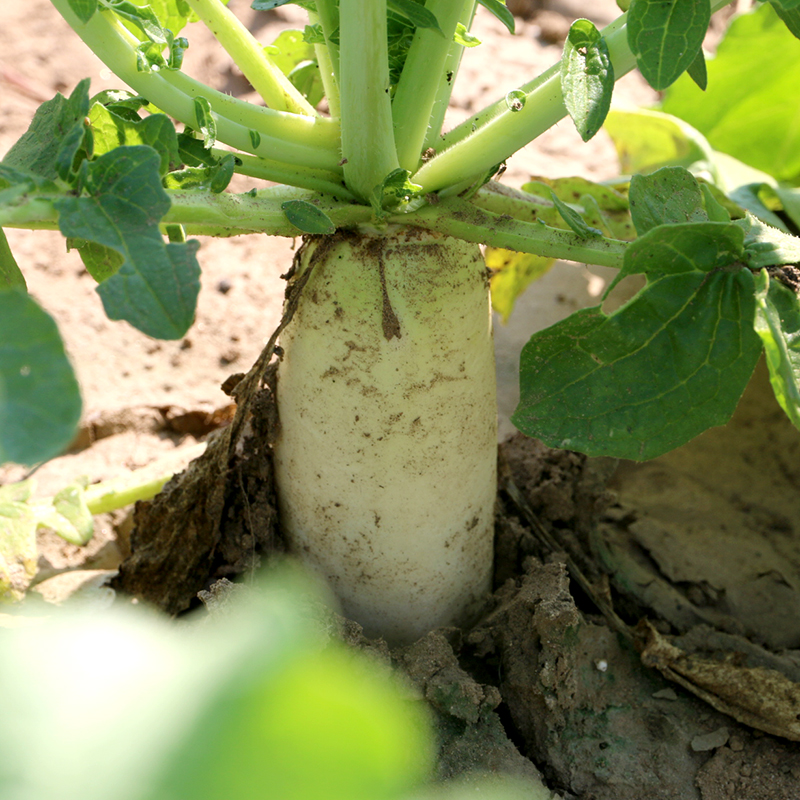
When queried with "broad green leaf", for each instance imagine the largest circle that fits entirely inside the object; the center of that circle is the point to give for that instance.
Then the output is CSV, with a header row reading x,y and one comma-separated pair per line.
x,y
54,138
276,696
751,106
172,14
587,78
663,368
574,219
156,287
646,140
500,10
40,402
83,9
111,130
670,194
785,4
10,274
289,50
777,322
512,273
665,37
755,198
307,217
306,79
415,13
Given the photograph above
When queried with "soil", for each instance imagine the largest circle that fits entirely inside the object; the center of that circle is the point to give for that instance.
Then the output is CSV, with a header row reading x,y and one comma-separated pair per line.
x,y
643,641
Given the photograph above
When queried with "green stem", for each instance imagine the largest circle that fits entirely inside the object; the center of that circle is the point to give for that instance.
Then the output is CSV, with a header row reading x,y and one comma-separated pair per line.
x,y
232,214
203,213
264,75
447,81
141,484
500,130
459,218
328,13
367,131
307,141
291,175
327,70
423,74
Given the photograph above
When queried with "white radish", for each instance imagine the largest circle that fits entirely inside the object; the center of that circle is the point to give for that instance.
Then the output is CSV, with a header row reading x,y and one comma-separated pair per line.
x,y
386,458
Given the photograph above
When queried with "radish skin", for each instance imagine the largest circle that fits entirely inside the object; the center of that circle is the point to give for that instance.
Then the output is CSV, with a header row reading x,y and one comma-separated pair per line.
x,y
386,458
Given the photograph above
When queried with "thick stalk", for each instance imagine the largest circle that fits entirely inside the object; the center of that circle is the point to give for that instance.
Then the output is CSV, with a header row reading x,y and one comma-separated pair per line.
x,y
386,457
367,133
424,72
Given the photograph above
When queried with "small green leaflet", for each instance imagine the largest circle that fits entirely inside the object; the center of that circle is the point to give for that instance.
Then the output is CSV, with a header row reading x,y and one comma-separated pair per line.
x,y
663,368
11,276
206,124
777,322
40,403
415,13
669,195
665,37
464,37
83,9
499,9
587,78
697,70
100,262
156,287
574,219
307,217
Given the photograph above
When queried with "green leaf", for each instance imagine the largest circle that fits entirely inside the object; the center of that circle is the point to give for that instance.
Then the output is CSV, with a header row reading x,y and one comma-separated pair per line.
x,y
307,217
664,367
790,18
206,124
499,9
40,402
415,13
713,202
11,276
587,78
55,137
751,107
646,140
669,195
156,287
777,322
697,70
785,4
101,262
112,130
83,9
463,37
766,246
573,219
665,37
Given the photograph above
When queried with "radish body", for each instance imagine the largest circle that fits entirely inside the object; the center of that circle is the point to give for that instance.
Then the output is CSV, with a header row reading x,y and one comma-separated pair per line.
x,y
386,458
